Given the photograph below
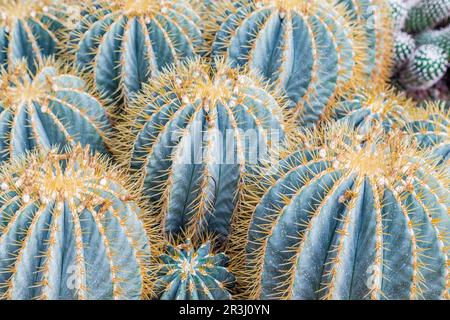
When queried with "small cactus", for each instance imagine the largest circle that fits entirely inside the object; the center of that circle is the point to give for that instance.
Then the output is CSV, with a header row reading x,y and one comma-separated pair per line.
x,y
52,108
185,273
427,14
70,229
30,30
190,138
124,43
427,66
399,12
404,47
345,220
439,37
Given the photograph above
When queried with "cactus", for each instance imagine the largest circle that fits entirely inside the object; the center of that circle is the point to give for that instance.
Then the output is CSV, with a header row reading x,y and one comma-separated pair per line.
x,y
404,47
372,107
399,12
185,273
427,66
427,14
376,19
440,38
30,30
309,49
52,108
70,229
124,43
430,127
190,138
345,220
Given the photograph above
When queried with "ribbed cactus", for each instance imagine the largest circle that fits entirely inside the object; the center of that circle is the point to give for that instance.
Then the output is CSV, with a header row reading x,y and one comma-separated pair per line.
x,y
185,273
372,107
30,30
189,138
399,12
404,47
124,43
345,220
309,49
52,108
439,37
427,66
70,229
430,126
427,14
376,20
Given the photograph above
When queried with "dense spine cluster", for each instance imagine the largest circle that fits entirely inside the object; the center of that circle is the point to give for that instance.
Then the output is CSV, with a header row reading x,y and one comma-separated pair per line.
x,y
70,228
346,218
427,14
53,108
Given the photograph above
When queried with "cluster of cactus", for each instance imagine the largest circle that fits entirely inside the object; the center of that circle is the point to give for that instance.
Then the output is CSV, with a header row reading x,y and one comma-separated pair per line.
x,y
198,149
422,42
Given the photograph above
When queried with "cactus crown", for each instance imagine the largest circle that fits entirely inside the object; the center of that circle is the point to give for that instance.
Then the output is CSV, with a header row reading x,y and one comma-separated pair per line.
x,y
11,10
147,8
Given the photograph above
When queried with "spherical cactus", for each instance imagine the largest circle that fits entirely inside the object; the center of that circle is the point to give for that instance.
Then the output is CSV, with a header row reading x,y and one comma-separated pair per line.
x,y
430,126
372,107
427,66
30,30
376,19
52,108
399,12
404,47
124,43
309,49
185,273
345,220
70,229
439,37
190,138
427,14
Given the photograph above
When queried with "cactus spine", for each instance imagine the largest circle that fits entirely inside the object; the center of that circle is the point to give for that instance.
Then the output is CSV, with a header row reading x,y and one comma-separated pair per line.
x,y
52,108
190,138
30,30
309,49
70,229
185,273
124,43
345,220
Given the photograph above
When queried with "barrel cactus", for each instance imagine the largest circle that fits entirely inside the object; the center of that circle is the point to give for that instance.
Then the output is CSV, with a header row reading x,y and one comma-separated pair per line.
x,y
124,43
341,219
427,14
189,138
30,30
185,273
427,66
309,49
52,108
70,229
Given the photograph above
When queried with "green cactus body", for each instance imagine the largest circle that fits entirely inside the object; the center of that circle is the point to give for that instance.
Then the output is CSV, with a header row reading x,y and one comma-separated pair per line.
x,y
190,139
440,38
52,108
188,274
427,14
372,107
375,17
399,12
341,220
309,49
430,126
124,43
69,229
427,66
404,47
29,30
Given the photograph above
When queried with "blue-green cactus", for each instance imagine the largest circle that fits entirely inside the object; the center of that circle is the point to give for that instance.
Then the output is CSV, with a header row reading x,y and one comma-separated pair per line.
x,y
309,49
345,220
438,37
404,47
185,273
70,229
30,30
124,43
399,12
52,108
427,14
190,138
427,66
